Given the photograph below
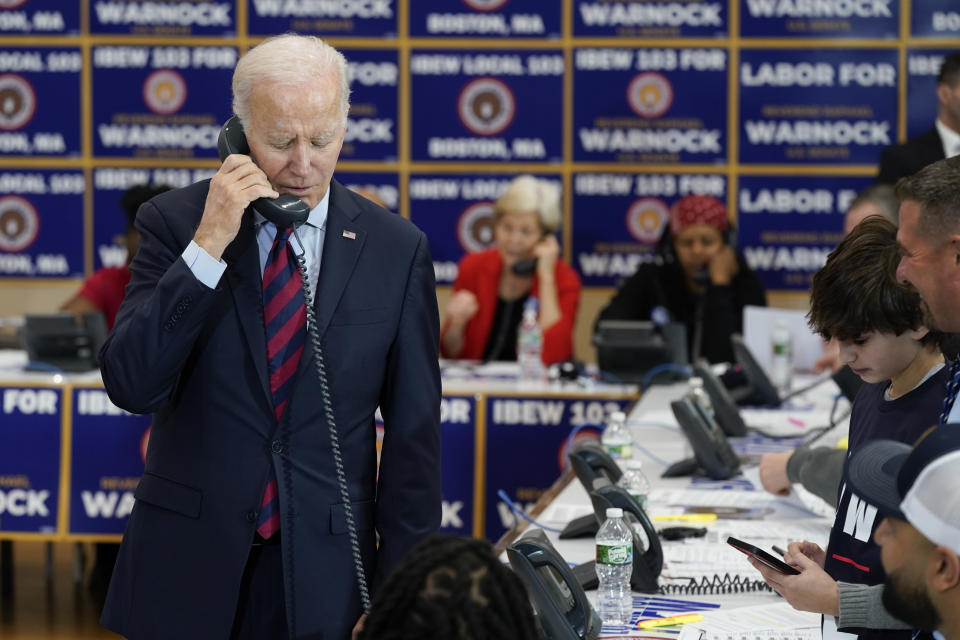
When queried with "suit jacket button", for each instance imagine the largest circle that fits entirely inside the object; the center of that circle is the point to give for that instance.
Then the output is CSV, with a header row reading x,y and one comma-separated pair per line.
x,y
251,516
276,446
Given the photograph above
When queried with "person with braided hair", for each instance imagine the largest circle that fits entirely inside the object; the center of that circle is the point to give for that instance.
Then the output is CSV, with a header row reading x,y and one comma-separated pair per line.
x,y
700,276
451,587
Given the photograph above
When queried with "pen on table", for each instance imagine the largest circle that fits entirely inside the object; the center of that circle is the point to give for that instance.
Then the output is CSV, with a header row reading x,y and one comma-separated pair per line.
x,y
664,622
688,517
778,550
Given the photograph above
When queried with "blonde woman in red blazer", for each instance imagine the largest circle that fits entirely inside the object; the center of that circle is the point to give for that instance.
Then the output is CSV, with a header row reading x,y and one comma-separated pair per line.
x,y
483,313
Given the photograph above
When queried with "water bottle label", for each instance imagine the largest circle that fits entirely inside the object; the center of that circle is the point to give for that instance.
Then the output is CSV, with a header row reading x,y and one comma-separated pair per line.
x,y
641,499
620,450
781,349
614,554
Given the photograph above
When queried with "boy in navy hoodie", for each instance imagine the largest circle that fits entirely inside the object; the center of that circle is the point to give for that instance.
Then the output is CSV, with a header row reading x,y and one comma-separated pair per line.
x,y
878,323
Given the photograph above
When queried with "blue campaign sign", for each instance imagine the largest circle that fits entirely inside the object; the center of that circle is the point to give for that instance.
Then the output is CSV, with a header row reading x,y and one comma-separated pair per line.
x,y
109,219
456,213
380,187
923,65
820,106
40,101
646,106
30,458
366,18
527,441
487,106
372,122
822,19
458,416
934,19
618,219
160,102
650,18
168,18
41,223
788,224
108,450
46,17
485,19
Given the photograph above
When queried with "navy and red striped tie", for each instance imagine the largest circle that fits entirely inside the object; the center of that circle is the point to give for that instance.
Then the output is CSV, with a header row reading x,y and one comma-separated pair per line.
x,y
285,321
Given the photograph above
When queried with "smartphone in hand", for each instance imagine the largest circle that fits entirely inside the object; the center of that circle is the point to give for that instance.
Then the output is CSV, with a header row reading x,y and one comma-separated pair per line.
x,y
762,556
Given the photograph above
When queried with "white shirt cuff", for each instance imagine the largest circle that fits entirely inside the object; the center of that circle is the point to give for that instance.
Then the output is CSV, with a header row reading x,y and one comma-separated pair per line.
x,y
205,267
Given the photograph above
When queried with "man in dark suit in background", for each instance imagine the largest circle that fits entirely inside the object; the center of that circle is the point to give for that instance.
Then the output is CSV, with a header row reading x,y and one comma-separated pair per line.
x,y
240,528
943,141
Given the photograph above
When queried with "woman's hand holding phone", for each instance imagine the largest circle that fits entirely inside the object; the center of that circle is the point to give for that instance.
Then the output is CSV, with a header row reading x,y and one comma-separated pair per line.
x,y
546,252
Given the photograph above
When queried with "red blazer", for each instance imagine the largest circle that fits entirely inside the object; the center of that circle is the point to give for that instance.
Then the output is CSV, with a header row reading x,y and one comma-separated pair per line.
x,y
479,273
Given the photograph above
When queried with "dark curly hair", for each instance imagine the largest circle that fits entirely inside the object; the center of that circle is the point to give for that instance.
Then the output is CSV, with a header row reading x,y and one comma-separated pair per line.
x,y
857,292
448,588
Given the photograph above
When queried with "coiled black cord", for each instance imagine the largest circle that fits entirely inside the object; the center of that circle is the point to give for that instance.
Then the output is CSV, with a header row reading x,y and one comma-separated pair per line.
x,y
334,438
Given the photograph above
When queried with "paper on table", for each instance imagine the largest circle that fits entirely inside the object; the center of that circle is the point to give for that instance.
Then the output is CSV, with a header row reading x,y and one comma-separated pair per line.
x,y
778,621
798,496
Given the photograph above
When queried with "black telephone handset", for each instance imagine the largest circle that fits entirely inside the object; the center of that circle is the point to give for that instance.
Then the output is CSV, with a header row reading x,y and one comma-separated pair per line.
x,y
524,267
647,564
563,611
712,453
760,389
285,211
589,461
724,407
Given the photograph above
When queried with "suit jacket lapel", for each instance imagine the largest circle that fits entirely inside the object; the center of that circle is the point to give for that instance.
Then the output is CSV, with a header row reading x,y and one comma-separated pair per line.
x,y
243,275
340,254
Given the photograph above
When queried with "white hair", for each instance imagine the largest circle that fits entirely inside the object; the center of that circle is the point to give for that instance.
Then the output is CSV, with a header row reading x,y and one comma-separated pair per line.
x,y
526,193
287,59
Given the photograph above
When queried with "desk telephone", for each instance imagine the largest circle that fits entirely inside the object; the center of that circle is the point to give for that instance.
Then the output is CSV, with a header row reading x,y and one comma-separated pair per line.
x,y
590,461
724,407
712,453
563,611
285,212
646,564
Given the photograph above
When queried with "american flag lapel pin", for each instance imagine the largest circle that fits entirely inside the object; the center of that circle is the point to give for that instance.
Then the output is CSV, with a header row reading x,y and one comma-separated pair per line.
x,y
350,235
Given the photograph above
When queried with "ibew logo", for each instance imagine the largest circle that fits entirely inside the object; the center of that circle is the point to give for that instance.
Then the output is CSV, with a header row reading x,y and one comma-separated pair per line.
x,y
529,412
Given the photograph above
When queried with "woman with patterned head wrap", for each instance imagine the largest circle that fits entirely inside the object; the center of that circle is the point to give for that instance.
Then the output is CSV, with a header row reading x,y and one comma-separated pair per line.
x,y
700,275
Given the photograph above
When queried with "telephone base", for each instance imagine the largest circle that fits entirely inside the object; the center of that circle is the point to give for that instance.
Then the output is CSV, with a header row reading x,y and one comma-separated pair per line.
x,y
586,575
680,468
580,527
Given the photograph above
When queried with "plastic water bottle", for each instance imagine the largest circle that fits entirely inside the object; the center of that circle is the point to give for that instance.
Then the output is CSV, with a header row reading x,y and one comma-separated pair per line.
x,y
616,437
614,566
530,344
635,482
700,395
781,360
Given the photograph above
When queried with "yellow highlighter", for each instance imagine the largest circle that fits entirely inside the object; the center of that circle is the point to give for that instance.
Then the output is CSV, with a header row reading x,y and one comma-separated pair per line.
x,y
688,517
666,622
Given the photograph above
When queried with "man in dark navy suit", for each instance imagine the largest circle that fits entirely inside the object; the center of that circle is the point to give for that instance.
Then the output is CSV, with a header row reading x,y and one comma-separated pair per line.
x,y
240,528
943,141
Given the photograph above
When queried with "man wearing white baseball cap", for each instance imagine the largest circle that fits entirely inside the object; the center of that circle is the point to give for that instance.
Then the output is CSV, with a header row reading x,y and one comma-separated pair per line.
x,y
918,491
